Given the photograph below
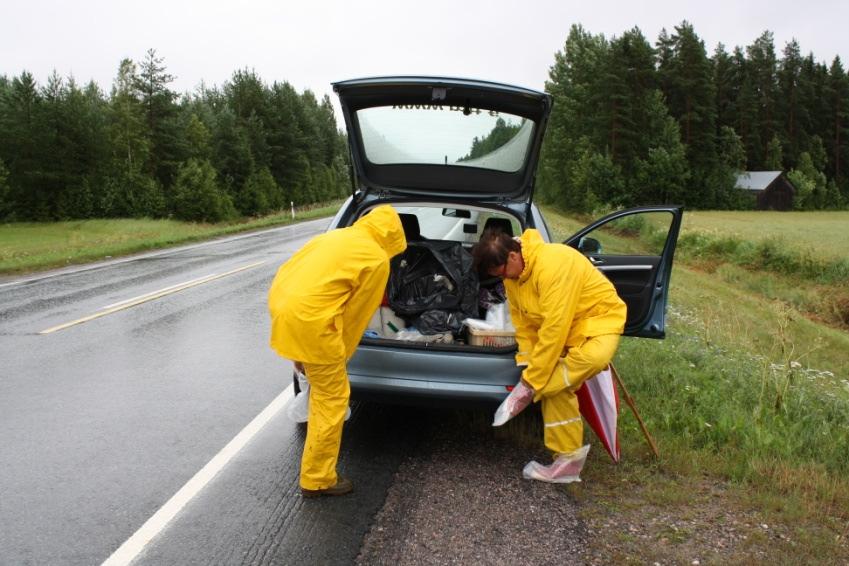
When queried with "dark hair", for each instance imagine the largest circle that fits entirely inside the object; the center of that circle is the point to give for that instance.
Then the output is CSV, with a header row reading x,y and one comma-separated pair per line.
x,y
492,251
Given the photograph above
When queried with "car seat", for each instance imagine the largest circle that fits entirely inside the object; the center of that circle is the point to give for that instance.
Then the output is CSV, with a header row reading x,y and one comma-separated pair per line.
x,y
499,224
410,222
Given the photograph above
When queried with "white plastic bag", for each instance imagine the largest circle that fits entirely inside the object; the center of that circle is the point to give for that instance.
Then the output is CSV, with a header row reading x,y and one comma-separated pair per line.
x,y
299,407
478,324
513,404
566,468
498,316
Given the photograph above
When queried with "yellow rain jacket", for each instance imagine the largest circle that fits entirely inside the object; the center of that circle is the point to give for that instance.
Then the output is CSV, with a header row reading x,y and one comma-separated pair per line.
x,y
558,301
323,297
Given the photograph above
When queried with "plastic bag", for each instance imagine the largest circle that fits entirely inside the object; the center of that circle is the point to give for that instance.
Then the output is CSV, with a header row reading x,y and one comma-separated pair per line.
x,y
433,275
566,468
299,407
515,403
413,335
478,324
438,322
499,316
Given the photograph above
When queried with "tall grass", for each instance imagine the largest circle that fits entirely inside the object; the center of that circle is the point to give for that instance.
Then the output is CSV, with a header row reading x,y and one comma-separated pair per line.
x,y
768,254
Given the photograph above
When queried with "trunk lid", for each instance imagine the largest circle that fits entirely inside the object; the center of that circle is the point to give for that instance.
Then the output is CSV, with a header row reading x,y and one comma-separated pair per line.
x,y
445,137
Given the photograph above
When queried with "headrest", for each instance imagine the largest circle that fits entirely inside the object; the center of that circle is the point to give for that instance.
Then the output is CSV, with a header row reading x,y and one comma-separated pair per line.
x,y
499,224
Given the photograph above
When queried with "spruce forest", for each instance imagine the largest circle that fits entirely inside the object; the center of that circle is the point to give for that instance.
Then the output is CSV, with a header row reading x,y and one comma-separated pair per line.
x,y
633,123
640,124
244,149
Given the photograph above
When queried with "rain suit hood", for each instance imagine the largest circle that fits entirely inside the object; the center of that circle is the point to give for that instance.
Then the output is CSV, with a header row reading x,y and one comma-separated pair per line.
x,y
323,297
532,242
384,225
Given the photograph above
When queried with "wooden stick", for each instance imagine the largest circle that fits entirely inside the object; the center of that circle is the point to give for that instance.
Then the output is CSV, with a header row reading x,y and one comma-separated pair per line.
x,y
631,404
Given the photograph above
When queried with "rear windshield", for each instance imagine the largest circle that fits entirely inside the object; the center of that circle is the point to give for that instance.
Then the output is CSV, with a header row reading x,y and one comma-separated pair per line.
x,y
454,224
445,135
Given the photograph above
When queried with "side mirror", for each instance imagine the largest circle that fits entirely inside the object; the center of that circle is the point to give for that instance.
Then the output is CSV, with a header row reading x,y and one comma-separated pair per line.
x,y
470,228
588,246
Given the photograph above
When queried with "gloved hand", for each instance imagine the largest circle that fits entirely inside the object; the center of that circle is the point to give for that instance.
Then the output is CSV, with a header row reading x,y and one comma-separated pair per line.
x,y
515,403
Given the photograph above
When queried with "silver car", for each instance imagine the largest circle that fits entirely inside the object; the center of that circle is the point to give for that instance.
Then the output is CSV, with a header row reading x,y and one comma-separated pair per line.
x,y
456,157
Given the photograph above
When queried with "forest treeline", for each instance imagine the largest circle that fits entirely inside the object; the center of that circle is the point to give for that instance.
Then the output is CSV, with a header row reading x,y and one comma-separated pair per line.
x,y
246,148
635,123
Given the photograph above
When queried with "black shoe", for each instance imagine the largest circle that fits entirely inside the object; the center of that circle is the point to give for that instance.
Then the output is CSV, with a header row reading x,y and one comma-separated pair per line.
x,y
342,487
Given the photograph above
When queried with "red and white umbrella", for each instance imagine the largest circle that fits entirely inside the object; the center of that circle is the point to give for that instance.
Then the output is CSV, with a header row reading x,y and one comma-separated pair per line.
x,y
598,402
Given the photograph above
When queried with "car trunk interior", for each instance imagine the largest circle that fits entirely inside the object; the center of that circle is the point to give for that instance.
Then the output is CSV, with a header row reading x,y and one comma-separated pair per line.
x,y
433,289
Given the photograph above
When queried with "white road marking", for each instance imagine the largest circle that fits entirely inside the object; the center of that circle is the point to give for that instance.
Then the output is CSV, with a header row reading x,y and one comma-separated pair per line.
x,y
133,546
148,297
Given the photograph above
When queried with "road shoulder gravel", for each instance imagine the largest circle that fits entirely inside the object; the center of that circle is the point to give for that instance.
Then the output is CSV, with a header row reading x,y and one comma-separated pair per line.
x,y
461,499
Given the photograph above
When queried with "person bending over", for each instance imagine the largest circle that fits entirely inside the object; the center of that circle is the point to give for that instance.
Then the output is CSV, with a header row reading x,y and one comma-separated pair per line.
x,y
568,321
320,303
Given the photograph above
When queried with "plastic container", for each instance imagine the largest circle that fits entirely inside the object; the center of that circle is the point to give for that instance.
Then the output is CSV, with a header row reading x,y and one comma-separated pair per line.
x,y
492,338
391,323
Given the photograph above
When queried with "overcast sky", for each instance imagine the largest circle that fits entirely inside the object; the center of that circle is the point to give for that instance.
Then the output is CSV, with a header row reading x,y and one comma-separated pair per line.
x,y
311,43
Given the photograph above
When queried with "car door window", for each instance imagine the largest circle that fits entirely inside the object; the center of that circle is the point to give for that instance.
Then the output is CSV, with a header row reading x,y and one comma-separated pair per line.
x,y
634,249
636,234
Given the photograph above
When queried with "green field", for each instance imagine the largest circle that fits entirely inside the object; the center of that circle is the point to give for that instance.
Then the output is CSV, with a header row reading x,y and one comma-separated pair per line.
x,y
824,233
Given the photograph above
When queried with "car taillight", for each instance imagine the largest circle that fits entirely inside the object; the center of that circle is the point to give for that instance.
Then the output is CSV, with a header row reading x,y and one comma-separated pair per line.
x,y
509,387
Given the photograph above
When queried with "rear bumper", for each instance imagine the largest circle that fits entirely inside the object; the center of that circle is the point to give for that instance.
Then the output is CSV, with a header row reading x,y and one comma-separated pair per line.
x,y
427,377
430,393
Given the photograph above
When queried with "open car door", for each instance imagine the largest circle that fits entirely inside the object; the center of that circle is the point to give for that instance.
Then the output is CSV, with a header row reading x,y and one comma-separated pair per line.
x,y
634,249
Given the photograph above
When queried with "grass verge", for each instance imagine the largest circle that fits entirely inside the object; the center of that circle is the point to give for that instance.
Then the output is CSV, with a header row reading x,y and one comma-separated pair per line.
x,y
28,246
748,401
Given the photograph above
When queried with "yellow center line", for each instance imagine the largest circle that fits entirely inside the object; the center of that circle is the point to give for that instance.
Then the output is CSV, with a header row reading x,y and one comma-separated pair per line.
x,y
149,297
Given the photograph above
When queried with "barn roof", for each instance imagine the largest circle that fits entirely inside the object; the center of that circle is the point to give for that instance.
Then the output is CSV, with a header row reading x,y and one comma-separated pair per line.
x,y
756,180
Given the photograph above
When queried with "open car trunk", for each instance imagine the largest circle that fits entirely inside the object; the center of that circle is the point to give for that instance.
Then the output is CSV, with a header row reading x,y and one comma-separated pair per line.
x,y
432,290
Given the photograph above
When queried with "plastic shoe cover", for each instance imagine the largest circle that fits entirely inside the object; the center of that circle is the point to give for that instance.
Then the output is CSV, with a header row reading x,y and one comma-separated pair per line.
x,y
565,469
299,408
515,403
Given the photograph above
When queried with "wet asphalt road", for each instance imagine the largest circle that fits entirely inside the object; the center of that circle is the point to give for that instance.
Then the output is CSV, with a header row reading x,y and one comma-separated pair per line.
x,y
101,423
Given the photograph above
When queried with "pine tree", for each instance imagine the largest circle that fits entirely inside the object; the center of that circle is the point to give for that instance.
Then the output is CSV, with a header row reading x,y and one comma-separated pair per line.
x,y
662,175
762,67
574,84
629,80
789,101
5,201
691,95
837,141
163,131
129,189
774,155
197,195
725,88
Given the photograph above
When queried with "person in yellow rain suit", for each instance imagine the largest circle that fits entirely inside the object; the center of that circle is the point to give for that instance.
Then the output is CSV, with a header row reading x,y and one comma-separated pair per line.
x,y
320,302
568,319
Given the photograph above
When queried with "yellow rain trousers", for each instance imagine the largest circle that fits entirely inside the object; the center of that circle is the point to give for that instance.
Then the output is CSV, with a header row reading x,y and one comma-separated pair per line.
x,y
320,304
568,320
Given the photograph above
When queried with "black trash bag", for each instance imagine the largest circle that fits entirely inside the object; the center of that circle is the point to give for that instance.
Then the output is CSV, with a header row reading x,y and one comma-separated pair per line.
x,y
433,275
439,322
